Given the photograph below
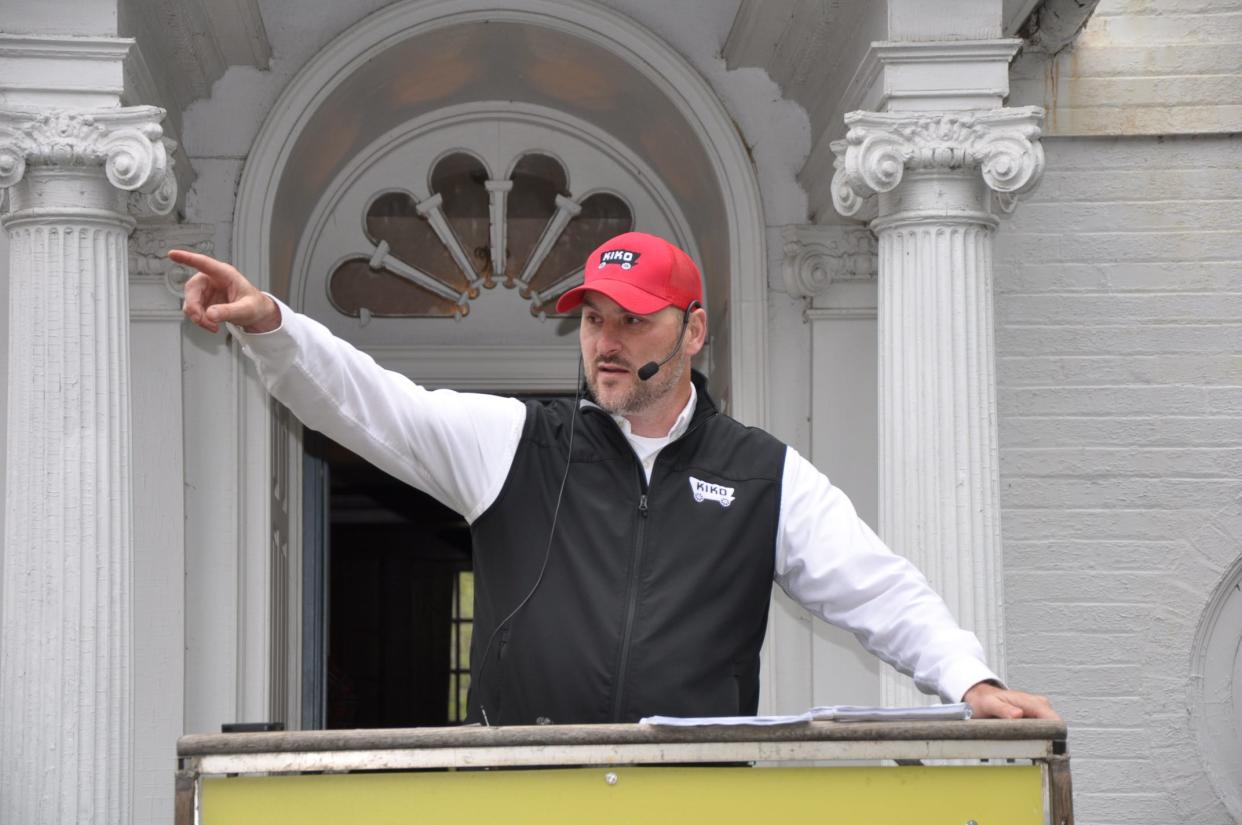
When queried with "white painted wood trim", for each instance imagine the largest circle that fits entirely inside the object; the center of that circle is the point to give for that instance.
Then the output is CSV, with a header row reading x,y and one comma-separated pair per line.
x,y
870,87
489,368
62,71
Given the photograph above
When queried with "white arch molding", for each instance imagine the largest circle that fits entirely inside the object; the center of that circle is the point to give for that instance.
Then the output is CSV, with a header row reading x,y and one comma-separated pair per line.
x,y
261,519
333,226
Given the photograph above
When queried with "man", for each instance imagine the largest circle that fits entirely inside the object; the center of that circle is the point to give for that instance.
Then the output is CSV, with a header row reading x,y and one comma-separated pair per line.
x,y
624,542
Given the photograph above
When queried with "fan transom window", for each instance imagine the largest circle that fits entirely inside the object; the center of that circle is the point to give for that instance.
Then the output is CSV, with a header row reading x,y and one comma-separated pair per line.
x,y
528,230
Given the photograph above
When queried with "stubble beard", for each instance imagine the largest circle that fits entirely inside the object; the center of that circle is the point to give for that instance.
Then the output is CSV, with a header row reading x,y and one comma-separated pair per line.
x,y
641,396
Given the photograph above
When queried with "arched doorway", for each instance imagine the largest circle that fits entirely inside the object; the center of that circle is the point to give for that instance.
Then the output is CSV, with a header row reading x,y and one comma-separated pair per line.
x,y
609,84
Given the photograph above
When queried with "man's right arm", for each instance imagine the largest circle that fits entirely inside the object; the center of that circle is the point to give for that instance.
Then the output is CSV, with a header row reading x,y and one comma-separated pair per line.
x,y
458,447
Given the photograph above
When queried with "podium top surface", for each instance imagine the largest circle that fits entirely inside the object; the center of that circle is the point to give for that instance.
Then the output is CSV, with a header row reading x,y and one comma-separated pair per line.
x,y
544,736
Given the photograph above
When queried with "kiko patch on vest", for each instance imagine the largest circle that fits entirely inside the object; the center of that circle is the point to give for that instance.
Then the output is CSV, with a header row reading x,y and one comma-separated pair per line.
x,y
706,491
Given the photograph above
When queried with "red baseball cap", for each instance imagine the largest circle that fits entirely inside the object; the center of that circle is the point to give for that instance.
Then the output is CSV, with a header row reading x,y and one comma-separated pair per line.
x,y
641,272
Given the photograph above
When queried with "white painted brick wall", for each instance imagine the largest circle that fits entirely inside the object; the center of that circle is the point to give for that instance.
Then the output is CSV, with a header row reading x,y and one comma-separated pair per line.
x,y
1142,67
1119,345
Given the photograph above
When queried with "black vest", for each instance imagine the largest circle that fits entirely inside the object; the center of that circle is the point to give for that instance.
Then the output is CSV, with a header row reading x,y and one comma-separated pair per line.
x,y
655,597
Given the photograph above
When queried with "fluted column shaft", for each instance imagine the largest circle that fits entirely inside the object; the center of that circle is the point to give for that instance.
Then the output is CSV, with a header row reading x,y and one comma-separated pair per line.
x,y
939,490
65,672
932,178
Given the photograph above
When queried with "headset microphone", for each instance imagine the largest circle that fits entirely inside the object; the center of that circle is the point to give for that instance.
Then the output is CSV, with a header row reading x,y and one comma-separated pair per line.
x,y
647,370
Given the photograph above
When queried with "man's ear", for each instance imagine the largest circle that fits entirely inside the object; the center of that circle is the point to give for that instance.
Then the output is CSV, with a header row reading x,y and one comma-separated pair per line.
x,y
696,331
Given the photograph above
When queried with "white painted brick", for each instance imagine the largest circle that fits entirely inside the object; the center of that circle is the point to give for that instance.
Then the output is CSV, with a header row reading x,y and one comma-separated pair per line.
x,y
1069,618
1119,344
1143,68
1151,462
1112,309
1128,154
1071,648
1215,545
1087,680
1094,774
1120,493
1104,742
1109,401
1209,339
1120,430
1017,276
1095,370
1023,521
1218,245
1156,29
1144,215
1076,587
1086,556
1122,8
1120,401
1103,711
1205,58
1228,522
1138,184
1202,90
1126,808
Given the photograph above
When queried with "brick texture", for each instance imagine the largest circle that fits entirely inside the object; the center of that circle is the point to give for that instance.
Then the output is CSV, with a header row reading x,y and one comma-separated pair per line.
x,y
1142,67
1119,346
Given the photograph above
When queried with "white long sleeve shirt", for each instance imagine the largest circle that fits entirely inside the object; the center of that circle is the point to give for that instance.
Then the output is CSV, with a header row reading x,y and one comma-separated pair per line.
x,y
459,447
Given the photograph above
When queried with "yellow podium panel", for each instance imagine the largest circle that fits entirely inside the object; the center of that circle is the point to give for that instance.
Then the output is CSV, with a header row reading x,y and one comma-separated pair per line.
x,y
1009,794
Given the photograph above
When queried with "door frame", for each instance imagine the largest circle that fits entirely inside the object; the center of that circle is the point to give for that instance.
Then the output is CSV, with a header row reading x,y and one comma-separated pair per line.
x,y
263,671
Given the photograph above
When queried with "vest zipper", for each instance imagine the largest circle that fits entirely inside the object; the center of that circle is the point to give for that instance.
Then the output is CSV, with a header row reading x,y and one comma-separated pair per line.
x,y
632,595
631,600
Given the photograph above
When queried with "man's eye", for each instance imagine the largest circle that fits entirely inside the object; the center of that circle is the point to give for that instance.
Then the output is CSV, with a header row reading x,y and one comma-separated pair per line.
x,y
633,320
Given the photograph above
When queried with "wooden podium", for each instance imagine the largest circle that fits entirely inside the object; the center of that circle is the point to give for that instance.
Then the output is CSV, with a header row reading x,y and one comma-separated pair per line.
x,y
1000,773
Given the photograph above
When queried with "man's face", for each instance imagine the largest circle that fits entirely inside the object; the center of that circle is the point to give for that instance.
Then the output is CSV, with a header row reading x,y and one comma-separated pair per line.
x,y
616,342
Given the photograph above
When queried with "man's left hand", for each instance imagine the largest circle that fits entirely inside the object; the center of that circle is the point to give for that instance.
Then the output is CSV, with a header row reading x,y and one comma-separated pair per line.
x,y
987,700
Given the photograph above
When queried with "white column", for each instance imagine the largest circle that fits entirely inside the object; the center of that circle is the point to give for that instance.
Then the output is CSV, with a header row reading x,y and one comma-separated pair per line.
x,y
65,667
937,179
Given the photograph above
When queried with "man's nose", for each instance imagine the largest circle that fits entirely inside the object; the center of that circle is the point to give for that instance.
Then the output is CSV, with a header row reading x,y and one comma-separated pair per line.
x,y
609,340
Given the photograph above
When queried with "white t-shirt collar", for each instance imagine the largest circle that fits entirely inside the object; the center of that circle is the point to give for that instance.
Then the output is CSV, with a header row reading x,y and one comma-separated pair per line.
x,y
680,425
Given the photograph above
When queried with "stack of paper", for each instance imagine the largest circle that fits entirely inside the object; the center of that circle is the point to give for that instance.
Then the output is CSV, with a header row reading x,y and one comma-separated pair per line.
x,y
827,713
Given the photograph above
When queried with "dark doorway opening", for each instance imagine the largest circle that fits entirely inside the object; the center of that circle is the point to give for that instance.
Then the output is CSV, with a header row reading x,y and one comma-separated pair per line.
x,y
397,586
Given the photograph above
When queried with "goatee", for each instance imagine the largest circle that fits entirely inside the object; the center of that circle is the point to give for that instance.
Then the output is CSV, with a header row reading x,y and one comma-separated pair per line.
x,y
640,396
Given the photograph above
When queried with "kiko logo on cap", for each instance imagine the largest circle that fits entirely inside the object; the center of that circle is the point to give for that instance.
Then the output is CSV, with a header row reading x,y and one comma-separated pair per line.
x,y
705,490
622,257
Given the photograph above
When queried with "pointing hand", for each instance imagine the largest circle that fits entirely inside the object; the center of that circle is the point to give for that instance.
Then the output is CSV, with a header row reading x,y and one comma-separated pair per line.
x,y
218,292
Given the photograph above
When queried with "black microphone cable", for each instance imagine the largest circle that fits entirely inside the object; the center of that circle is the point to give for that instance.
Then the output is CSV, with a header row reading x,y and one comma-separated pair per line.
x,y
547,553
649,369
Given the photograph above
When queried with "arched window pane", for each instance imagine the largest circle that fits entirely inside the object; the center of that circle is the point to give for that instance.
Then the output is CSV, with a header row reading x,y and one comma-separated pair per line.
x,y
603,216
537,180
393,217
459,180
354,286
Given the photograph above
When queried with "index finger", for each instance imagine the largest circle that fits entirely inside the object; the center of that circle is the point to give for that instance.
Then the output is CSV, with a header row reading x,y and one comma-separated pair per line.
x,y
217,271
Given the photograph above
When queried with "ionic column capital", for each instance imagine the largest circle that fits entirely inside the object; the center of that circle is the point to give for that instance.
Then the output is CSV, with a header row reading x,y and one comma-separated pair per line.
x,y
129,145
817,256
1003,145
